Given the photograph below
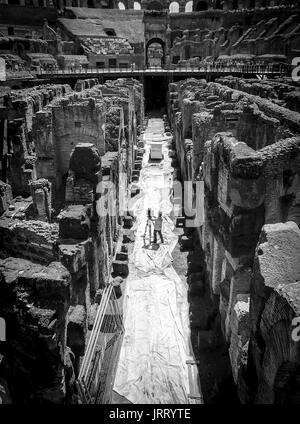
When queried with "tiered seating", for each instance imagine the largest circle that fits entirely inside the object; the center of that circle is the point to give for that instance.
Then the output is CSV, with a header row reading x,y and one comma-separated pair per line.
x,y
107,46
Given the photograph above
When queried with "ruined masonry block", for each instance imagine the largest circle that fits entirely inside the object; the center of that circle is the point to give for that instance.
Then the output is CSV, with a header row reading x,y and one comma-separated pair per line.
x,y
77,327
186,244
128,222
122,256
240,333
279,246
120,268
138,165
85,161
41,196
74,222
5,196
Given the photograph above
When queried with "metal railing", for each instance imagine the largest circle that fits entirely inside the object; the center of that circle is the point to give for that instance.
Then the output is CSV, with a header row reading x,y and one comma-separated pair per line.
x,y
214,69
96,375
181,68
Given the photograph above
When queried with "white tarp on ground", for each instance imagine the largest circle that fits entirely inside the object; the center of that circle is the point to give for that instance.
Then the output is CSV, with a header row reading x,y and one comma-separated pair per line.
x,y
152,365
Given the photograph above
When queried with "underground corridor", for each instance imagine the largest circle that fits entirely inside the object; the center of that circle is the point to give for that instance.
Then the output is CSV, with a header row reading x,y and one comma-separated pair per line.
x,y
155,92
203,341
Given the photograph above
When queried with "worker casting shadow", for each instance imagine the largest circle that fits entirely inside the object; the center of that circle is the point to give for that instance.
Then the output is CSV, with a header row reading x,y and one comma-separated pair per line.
x,y
156,223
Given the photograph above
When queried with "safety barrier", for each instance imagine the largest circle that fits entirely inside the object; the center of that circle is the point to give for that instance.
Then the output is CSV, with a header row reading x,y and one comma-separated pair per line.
x,y
185,68
96,373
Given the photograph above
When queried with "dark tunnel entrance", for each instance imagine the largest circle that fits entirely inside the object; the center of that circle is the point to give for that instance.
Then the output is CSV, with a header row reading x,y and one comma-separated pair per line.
x,y
155,91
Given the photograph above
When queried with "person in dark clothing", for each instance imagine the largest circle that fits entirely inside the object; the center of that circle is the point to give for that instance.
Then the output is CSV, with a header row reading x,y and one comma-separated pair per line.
x,y
158,228
148,225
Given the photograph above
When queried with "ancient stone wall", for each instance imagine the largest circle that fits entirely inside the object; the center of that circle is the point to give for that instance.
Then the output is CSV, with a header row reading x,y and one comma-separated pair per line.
x,y
60,238
274,356
281,91
19,113
246,150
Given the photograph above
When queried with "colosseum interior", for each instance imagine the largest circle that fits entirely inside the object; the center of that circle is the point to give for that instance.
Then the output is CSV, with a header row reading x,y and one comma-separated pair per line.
x,y
122,121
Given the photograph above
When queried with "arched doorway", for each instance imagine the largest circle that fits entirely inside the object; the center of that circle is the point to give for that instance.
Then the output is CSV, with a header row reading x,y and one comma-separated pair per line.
x,y
136,5
155,52
155,5
201,5
174,7
155,55
189,6
121,5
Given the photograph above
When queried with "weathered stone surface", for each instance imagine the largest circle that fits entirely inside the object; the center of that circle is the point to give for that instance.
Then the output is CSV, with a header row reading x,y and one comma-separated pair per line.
x,y
278,254
16,233
74,222
41,197
77,327
120,268
240,331
34,301
60,146
85,161
186,244
5,196
246,150
274,305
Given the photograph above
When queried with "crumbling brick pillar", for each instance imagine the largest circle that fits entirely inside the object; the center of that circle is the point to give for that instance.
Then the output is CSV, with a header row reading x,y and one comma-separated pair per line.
x,y
84,174
34,300
3,145
274,293
41,196
5,196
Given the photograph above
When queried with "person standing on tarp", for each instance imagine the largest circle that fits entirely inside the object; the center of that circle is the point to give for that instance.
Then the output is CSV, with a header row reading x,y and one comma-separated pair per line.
x,y
158,228
149,224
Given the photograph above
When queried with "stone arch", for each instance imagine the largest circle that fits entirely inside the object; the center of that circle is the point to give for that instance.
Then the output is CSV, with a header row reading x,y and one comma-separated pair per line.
x,y
137,5
201,5
153,41
174,7
189,6
155,5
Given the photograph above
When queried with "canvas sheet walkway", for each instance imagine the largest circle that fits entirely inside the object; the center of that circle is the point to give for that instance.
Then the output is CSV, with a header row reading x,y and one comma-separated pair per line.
x,y
152,365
